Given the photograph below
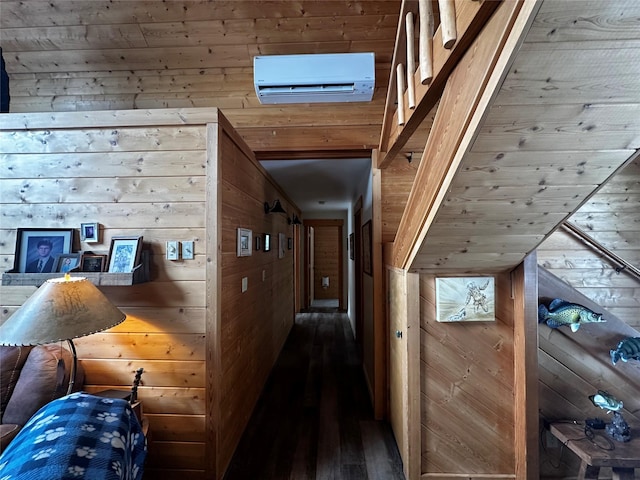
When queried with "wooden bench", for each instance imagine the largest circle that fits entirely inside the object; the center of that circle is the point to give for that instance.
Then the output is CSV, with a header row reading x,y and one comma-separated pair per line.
x,y
623,458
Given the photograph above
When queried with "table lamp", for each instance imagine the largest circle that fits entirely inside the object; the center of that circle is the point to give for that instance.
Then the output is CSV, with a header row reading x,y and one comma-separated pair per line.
x,y
61,309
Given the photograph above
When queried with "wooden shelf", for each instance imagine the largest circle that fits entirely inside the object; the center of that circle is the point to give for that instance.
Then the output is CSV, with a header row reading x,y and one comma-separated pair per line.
x,y
140,274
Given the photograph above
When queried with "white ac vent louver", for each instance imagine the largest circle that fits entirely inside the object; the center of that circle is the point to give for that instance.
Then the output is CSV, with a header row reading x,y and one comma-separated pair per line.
x,y
314,78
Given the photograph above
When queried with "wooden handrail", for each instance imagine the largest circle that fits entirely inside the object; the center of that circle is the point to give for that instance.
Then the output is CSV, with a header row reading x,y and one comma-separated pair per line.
x,y
470,18
585,237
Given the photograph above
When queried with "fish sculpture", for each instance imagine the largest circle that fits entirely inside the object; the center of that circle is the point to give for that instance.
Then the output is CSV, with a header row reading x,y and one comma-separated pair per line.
x,y
561,312
606,401
627,349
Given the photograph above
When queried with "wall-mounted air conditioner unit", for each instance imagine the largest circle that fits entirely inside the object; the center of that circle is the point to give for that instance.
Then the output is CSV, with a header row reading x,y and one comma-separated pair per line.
x,y
333,77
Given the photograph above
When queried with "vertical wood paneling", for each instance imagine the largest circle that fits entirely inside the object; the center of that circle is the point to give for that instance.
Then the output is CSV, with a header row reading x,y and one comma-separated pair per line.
x,y
525,298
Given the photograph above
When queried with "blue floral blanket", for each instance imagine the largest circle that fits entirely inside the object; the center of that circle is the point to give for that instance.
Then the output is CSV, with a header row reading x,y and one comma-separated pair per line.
x,y
79,436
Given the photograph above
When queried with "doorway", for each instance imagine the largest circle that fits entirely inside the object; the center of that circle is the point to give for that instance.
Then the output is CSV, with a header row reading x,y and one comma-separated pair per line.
x,y
324,263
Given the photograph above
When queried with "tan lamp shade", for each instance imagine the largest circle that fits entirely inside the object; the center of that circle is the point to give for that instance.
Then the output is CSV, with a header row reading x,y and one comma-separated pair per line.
x,y
61,309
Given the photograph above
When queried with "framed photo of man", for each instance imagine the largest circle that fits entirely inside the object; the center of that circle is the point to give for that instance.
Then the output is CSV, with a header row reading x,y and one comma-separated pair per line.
x,y
38,248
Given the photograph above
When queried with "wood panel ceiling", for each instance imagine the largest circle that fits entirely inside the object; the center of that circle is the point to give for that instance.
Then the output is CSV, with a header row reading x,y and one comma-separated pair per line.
x,y
565,118
566,115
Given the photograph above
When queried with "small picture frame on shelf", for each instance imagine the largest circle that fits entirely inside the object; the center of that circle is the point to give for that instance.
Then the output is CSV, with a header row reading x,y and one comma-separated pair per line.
x,y
67,262
245,241
93,263
89,232
124,254
37,248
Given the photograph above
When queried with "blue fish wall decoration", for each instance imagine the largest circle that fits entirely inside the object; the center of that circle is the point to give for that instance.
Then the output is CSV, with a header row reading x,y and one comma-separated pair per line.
x,y
627,349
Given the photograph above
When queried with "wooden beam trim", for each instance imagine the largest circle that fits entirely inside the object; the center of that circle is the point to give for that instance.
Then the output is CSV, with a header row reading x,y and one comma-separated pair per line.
x,y
471,18
311,154
109,118
524,284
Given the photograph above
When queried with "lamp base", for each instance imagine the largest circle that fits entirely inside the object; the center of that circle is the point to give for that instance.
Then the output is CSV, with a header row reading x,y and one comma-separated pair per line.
x,y
74,366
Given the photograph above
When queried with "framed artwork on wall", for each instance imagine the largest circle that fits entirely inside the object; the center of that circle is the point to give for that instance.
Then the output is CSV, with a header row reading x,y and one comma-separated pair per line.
x,y
124,254
266,237
245,241
366,248
465,299
37,248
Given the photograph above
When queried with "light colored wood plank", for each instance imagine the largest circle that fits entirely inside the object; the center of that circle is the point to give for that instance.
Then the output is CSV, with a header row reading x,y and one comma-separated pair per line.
x,y
74,12
102,140
140,189
572,127
112,118
552,83
565,23
149,346
103,373
103,164
116,215
555,168
76,37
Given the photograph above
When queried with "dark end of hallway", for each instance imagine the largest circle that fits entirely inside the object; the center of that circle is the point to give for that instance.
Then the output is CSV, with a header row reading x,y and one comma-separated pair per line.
x,y
314,419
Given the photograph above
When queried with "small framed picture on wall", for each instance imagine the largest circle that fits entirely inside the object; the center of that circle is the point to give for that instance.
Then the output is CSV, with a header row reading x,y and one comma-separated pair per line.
x,y
245,240
89,232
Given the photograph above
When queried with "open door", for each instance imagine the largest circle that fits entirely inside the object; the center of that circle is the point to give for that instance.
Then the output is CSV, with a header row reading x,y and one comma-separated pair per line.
x,y
404,367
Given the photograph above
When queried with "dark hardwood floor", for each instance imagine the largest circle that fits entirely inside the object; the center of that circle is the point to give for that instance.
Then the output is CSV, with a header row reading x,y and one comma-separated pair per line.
x,y
314,419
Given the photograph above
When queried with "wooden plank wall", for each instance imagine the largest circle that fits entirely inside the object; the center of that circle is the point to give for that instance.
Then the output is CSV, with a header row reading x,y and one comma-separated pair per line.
x,y
147,173
134,179
611,217
71,56
253,324
581,360
396,183
467,383
574,365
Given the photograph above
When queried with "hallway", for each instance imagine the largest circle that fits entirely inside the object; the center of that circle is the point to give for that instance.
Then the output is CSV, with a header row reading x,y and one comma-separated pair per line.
x,y
314,419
